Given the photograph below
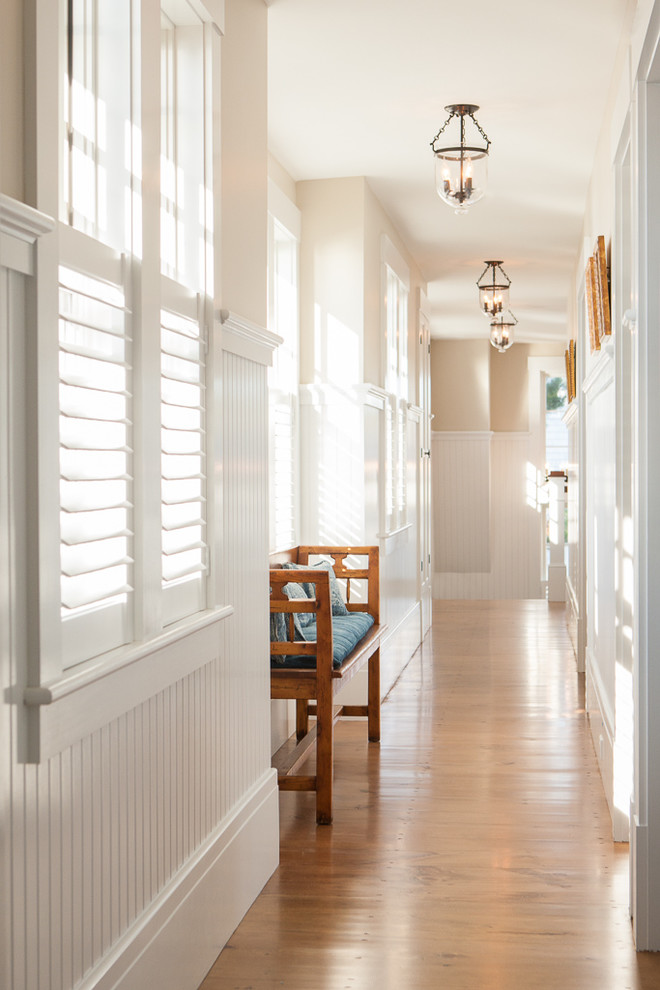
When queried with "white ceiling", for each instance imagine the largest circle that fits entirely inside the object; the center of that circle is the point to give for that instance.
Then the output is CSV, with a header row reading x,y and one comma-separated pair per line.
x,y
358,87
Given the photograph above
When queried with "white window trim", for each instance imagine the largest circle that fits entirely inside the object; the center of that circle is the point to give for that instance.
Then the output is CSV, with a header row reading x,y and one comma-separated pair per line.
x,y
282,211
393,524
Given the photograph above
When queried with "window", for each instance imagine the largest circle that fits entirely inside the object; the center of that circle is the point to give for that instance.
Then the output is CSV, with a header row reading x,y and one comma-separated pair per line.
x,y
556,434
136,281
96,162
186,264
395,374
185,199
284,224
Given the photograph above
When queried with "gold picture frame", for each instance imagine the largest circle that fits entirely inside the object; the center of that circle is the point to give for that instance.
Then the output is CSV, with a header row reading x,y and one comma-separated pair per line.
x,y
598,295
570,356
592,305
603,287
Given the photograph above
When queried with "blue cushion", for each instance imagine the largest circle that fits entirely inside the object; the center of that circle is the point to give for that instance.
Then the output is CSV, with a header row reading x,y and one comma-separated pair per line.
x,y
347,631
336,600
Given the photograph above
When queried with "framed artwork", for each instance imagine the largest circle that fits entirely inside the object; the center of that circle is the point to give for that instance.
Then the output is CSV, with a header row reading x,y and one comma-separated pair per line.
x,y
570,356
592,305
597,295
603,288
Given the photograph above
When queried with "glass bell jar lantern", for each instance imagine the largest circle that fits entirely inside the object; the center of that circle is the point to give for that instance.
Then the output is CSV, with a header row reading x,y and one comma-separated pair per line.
x,y
461,158
493,285
501,331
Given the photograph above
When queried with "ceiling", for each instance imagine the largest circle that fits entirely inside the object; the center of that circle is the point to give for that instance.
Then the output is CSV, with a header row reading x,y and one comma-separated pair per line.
x,y
358,87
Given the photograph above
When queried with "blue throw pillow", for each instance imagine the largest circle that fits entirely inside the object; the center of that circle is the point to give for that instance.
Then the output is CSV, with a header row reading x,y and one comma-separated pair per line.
x,y
336,600
300,619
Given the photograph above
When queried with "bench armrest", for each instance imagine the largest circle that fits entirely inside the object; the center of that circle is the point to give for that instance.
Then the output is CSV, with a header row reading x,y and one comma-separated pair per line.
x,y
321,647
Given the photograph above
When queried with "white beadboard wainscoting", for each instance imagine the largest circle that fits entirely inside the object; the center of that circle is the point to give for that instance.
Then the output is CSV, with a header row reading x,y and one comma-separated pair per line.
x,y
487,521
129,856
575,546
609,689
461,497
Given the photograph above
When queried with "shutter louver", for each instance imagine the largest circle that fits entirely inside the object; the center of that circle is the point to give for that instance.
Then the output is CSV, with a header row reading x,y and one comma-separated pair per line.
x,y
183,481
95,463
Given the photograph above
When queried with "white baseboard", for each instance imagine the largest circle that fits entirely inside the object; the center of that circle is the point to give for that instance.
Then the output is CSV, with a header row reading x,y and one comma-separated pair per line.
x,y
575,622
175,943
603,731
639,888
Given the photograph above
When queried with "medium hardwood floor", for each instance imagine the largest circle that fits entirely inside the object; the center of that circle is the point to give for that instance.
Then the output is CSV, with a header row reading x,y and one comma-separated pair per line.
x,y
471,849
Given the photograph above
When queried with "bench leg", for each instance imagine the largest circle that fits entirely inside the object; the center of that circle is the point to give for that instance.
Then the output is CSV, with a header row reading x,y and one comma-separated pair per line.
x,y
324,754
373,708
302,718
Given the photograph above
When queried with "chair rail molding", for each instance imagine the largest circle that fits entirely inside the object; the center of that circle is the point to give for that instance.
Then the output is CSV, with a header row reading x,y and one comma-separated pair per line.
x,y
20,228
570,416
601,373
247,339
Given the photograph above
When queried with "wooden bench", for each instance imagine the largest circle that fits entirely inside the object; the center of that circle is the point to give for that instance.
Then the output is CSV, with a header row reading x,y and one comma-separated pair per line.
x,y
314,688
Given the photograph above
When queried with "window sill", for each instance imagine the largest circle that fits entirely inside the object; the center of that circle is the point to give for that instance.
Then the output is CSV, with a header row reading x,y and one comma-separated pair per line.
x,y
89,696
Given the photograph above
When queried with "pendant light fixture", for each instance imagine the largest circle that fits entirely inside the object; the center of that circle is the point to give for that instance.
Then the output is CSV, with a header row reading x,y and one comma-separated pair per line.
x,y
461,164
501,330
493,285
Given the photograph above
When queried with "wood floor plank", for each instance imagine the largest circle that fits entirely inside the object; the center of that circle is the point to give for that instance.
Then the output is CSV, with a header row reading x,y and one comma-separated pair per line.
x,y
471,849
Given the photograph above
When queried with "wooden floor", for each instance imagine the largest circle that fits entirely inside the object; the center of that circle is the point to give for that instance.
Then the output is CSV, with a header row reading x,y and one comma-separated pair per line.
x,y
471,849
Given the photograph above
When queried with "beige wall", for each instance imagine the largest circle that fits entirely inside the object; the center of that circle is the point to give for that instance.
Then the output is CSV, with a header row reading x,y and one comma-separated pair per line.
x,y
460,384
11,99
244,161
509,385
474,387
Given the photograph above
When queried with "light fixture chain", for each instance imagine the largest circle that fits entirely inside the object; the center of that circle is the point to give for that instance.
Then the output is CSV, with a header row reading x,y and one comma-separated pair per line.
x,y
493,266
480,129
448,120
463,113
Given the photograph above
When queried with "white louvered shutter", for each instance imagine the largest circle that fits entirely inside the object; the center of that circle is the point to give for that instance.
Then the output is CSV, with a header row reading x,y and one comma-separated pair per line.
x,y
183,482
95,466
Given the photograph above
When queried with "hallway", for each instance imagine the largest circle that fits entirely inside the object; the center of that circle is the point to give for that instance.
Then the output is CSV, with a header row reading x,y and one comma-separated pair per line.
x,y
471,850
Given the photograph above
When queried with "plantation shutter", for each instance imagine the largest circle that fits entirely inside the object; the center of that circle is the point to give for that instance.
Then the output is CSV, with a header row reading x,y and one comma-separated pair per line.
x,y
95,466
183,473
